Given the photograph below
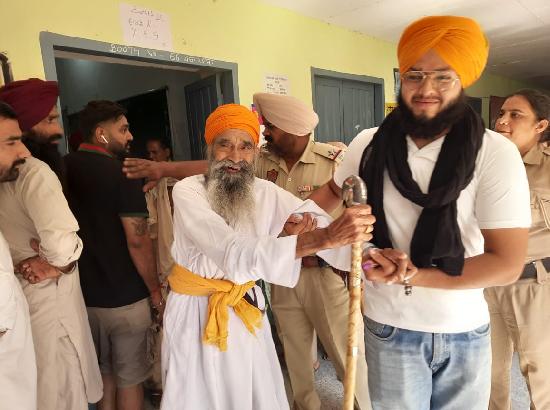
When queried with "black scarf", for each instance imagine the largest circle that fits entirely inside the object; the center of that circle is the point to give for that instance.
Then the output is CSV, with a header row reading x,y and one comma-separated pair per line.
x,y
436,239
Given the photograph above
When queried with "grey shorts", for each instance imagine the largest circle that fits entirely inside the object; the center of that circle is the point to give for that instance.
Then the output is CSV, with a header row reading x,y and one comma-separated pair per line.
x,y
120,338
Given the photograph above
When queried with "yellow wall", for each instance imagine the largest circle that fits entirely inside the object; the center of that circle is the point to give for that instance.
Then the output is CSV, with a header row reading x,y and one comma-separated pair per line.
x,y
260,38
490,84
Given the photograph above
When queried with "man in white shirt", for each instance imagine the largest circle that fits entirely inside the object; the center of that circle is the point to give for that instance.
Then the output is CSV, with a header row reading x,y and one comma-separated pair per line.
x,y
17,358
218,352
452,199
41,231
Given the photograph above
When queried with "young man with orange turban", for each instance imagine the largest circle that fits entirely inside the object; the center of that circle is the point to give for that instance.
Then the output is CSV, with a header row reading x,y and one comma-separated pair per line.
x,y
218,352
451,199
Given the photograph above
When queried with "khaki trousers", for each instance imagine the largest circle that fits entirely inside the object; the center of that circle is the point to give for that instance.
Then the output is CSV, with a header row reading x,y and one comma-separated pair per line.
x,y
319,302
520,321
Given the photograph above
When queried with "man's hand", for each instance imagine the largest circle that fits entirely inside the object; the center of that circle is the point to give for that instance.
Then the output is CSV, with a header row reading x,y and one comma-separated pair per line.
x,y
354,225
137,168
158,304
36,269
300,223
388,266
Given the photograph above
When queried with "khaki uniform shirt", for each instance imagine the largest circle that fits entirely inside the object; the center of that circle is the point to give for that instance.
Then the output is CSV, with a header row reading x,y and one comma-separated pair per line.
x,y
314,169
161,225
33,206
537,165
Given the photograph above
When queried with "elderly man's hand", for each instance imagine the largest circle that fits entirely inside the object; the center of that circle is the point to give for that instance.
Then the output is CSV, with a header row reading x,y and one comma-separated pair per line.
x,y
297,224
354,225
388,266
137,168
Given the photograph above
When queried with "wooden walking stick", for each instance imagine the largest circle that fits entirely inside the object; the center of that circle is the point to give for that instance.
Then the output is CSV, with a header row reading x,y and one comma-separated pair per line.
x,y
354,191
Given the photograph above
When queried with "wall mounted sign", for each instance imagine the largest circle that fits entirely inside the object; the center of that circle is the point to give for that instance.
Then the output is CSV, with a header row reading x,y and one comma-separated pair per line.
x,y
145,27
277,84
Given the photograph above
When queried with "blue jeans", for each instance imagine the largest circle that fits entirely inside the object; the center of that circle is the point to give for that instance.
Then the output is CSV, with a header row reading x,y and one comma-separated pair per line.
x,y
422,371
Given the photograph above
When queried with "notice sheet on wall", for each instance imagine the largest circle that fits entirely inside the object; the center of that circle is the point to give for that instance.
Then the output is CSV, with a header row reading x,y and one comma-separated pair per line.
x,y
145,27
277,84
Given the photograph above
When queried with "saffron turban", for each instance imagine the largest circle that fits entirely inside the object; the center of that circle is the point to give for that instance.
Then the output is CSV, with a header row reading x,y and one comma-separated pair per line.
x,y
459,41
32,100
286,113
231,116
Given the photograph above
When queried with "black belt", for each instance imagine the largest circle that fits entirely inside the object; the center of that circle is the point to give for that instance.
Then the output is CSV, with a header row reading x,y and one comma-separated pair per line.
x,y
313,262
317,262
253,300
530,270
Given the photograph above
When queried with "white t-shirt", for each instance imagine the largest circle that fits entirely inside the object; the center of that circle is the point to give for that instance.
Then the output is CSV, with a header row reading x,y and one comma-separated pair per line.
x,y
497,197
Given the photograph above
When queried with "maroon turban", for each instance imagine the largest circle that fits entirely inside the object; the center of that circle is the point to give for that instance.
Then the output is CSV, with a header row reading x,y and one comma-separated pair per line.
x,y
32,100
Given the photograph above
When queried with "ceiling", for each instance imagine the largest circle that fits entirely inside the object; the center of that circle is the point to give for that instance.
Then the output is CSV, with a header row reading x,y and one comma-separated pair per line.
x,y
518,30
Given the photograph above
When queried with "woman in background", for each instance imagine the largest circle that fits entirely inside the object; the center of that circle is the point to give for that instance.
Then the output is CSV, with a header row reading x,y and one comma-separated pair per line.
x,y
520,313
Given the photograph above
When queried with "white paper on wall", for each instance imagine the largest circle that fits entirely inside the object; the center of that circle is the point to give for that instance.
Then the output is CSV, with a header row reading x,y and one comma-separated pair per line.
x,y
277,84
145,27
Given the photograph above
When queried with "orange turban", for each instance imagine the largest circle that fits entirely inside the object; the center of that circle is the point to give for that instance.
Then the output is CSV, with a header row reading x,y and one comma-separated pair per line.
x,y
231,116
459,41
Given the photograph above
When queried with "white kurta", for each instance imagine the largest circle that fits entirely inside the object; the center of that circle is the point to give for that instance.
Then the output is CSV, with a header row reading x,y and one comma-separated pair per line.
x,y
247,376
17,360
33,206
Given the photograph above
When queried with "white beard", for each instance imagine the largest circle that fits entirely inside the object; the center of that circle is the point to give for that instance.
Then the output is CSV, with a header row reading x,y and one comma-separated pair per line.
x,y
232,196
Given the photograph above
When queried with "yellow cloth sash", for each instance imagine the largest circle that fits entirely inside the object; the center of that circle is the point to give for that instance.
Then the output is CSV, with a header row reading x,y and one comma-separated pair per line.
x,y
222,293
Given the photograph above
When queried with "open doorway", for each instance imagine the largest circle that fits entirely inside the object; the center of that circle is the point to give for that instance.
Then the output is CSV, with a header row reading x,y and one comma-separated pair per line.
x,y
158,88
147,113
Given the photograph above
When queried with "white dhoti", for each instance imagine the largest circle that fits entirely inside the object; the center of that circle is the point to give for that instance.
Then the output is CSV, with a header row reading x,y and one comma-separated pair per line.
x,y
246,376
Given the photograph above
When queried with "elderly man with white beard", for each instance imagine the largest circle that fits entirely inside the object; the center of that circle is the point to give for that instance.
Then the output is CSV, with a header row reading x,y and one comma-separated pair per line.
x,y
218,352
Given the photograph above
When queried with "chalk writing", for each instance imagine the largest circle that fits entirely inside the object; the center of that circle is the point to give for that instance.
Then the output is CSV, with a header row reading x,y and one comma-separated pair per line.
x,y
158,54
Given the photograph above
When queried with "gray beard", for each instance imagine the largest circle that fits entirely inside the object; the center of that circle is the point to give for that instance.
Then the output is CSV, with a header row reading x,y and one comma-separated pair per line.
x,y
232,195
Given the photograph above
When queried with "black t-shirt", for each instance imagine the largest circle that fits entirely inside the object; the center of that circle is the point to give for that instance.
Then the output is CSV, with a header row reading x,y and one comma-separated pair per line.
x,y
99,195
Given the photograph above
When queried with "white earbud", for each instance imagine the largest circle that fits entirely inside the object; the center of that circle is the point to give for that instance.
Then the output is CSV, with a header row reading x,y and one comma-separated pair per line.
x,y
104,139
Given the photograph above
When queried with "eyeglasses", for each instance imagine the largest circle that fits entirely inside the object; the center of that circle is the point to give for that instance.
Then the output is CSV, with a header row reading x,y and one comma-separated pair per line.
x,y
441,80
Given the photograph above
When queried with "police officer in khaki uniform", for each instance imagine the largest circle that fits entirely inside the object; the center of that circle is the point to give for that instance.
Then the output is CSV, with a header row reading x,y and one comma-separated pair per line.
x,y
319,302
520,313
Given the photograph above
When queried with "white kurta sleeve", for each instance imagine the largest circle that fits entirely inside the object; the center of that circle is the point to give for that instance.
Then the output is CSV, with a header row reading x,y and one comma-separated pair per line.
x,y
42,196
241,257
8,302
288,204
